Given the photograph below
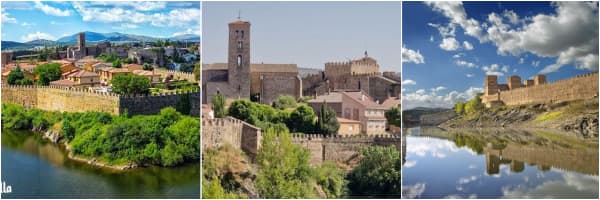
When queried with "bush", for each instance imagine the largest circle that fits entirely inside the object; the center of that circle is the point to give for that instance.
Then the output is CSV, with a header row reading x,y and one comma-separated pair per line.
x,y
393,117
284,102
218,105
302,119
331,179
459,108
378,174
130,84
474,105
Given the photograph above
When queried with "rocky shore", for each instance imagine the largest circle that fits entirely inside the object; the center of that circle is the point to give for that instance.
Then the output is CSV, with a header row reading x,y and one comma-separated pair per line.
x,y
577,116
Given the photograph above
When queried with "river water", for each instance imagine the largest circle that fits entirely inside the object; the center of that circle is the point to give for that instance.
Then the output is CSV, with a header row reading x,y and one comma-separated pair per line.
x,y
498,164
37,168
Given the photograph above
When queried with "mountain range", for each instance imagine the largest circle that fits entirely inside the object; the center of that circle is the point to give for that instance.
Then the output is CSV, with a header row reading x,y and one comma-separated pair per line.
x,y
92,37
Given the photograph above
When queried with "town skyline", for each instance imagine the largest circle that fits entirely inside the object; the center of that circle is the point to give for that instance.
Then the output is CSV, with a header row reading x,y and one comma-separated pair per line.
x,y
308,34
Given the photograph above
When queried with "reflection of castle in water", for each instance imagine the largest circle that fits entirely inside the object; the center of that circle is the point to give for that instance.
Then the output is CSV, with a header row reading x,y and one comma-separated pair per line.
x,y
517,148
580,160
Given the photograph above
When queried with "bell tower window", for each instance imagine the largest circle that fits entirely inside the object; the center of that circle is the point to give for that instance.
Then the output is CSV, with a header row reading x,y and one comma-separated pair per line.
x,y
239,45
239,61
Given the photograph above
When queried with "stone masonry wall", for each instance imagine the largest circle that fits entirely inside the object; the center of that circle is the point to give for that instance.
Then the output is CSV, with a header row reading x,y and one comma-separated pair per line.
x,y
239,134
274,86
52,98
579,87
177,75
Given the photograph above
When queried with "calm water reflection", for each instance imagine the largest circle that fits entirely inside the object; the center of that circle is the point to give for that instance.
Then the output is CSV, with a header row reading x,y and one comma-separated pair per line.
x,y
498,164
36,168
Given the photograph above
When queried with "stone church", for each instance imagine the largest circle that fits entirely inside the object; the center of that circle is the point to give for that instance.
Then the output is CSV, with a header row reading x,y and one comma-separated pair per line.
x,y
238,78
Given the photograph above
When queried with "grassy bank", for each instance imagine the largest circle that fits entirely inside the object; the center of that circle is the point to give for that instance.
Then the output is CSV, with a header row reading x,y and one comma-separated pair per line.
x,y
165,139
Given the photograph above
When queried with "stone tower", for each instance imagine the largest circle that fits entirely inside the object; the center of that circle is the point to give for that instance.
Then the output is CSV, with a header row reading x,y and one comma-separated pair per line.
x,y
239,58
81,44
491,84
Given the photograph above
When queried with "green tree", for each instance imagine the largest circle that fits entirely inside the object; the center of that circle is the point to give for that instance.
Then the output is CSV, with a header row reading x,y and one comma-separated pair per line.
x,y
284,170
393,116
327,123
197,71
24,81
474,104
284,102
147,67
130,84
47,73
331,179
14,76
218,105
212,189
378,174
459,108
117,63
302,119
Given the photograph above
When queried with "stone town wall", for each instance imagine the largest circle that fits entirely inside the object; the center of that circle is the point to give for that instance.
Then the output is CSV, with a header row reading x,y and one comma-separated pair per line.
x,y
52,98
210,89
177,75
239,134
152,104
579,87
274,85
341,148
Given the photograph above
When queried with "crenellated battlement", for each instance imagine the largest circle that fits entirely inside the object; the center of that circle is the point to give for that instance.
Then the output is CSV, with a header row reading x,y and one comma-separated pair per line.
x,y
64,99
582,86
188,76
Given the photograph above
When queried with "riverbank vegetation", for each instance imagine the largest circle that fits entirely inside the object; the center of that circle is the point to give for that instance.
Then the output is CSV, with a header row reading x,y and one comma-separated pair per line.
x,y
165,139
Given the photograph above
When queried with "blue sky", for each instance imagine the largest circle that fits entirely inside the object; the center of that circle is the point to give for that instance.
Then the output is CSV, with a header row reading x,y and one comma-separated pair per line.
x,y
26,21
449,47
308,33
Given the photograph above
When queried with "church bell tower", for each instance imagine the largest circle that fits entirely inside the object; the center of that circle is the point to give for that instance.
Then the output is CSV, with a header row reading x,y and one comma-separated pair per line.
x,y
239,58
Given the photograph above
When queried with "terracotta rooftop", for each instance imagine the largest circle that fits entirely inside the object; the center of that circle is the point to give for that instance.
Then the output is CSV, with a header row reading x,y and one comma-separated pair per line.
x,y
133,67
83,73
64,82
335,97
391,102
363,98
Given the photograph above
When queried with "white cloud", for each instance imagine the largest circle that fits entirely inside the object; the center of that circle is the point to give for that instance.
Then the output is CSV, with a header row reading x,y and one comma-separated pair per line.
x,y
421,98
535,63
409,82
431,38
6,18
52,10
467,45
465,64
512,17
413,191
570,35
409,55
125,26
25,24
449,44
458,55
521,60
187,31
505,68
37,35
493,69
445,31
437,89
470,75
184,17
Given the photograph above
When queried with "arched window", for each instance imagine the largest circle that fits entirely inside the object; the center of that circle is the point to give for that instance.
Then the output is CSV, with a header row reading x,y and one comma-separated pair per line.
x,y
240,46
237,33
239,61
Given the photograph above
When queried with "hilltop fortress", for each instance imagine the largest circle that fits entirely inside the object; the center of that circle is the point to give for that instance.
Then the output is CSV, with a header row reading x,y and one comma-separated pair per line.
x,y
55,98
538,90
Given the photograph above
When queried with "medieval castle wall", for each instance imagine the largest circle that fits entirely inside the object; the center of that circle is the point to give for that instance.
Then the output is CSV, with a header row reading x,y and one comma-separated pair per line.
x,y
579,87
241,135
177,75
274,85
52,98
